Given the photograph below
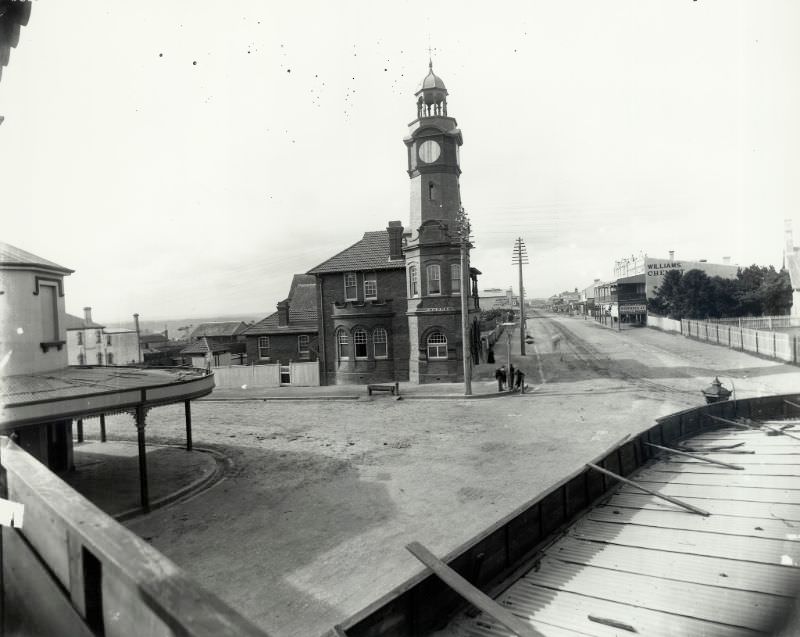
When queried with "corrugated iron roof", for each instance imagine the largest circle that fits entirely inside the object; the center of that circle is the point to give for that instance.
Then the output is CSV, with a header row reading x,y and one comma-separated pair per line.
x,y
640,564
370,253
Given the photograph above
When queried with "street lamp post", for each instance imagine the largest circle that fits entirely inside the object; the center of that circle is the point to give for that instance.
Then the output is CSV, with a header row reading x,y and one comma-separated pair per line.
x,y
463,230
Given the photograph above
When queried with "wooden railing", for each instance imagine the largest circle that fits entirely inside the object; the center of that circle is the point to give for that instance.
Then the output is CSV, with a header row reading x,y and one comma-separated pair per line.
x,y
511,546
73,570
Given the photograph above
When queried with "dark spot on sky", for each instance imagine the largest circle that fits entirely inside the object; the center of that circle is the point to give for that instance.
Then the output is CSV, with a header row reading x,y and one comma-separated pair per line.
x,y
161,55
385,69
194,63
288,70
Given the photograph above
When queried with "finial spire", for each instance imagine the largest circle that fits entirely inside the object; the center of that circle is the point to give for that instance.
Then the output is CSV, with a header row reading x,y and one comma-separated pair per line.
x,y
430,57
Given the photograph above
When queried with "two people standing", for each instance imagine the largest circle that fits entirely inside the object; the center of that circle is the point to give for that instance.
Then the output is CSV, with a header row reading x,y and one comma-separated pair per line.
x,y
511,379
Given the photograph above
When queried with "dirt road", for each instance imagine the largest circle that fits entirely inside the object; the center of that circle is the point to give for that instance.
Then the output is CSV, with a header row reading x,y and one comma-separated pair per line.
x,y
310,524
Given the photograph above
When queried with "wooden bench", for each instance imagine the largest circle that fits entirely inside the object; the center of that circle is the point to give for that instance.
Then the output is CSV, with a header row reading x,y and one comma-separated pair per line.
x,y
395,389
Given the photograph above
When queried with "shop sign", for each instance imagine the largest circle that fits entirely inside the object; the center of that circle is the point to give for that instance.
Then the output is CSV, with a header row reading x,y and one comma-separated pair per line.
x,y
637,308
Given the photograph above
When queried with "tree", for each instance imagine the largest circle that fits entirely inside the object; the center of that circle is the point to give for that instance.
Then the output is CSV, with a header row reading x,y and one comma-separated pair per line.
x,y
696,295
668,298
776,293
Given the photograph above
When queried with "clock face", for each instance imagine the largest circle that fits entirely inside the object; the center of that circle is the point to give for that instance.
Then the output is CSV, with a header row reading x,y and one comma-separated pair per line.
x,y
429,151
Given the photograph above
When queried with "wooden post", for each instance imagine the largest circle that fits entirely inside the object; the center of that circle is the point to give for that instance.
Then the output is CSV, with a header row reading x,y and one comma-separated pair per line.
x,y
187,405
143,492
80,429
102,427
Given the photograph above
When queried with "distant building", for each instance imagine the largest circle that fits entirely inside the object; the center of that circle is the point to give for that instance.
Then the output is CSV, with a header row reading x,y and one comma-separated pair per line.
x,y
499,299
291,333
91,343
153,341
220,332
204,354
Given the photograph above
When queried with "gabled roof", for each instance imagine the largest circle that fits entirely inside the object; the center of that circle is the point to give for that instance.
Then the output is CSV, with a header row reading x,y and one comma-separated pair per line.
x,y
11,256
203,347
302,311
370,253
77,323
218,328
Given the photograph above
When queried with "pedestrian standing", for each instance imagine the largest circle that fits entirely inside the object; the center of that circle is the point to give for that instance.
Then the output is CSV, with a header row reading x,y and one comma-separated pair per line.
x,y
519,381
510,376
490,356
500,375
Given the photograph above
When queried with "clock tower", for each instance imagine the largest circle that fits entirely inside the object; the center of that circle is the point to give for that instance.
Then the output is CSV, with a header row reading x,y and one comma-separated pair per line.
x,y
432,249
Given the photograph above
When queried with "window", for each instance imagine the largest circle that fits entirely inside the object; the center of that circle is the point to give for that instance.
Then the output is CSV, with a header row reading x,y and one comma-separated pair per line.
x,y
110,358
379,343
437,346
413,281
370,286
455,278
350,287
431,190
98,336
263,346
108,339
434,280
99,358
81,359
48,295
360,342
302,346
80,338
343,345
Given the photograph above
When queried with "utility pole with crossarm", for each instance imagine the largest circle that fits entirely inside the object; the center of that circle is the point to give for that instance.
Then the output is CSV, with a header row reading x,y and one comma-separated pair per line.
x,y
520,257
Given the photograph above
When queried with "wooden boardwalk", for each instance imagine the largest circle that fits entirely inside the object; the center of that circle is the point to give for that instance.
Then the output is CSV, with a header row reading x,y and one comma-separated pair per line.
x,y
637,564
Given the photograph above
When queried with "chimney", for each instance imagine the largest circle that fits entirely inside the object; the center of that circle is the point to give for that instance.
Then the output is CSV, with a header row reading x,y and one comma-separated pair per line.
x,y
672,255
726,260
395,232
87,314
283,313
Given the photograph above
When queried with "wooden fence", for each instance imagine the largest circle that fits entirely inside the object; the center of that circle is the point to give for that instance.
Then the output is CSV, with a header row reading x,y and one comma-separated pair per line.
x,y
777,345
299,374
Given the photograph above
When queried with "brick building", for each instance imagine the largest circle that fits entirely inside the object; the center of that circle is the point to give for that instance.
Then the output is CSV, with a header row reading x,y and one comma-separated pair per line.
x,y
390,304
290,334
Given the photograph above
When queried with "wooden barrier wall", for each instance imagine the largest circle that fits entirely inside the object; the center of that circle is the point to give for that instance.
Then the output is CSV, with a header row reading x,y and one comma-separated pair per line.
x,y
424,604
73,570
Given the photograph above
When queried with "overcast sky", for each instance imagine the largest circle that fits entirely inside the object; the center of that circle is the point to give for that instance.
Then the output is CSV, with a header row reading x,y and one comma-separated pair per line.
x,y
186,158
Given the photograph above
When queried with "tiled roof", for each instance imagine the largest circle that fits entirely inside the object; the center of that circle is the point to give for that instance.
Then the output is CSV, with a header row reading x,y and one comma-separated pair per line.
x,y
13,256
371,253
302,312
203,347
77,323
219,328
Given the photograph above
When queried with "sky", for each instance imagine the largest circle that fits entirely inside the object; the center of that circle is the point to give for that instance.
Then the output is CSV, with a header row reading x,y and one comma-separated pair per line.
x,y
186,158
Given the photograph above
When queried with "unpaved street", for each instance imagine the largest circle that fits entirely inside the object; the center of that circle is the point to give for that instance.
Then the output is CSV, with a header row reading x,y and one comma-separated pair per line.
x,y
310,523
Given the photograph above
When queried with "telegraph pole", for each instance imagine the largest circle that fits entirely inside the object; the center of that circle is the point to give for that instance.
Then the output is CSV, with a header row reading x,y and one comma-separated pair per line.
x,y
520,257
463,230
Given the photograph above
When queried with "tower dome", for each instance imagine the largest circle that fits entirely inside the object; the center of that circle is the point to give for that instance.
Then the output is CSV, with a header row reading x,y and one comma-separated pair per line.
x,y
431,95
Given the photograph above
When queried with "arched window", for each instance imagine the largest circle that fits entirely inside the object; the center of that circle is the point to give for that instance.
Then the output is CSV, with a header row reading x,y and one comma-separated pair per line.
x,y
360,343
109,358
343,344
434,279
413,281
455,278
380,343
437,346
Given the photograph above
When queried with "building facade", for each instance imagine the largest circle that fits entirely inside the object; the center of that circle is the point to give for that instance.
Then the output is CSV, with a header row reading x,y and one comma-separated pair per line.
x,y
390,304
291,333
90,343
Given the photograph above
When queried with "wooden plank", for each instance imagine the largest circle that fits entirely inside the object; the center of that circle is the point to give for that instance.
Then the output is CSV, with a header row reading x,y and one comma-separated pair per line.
x,y
631,483
747,609
680,466
742,494
788,513
726,525
765,551
695,456
571,610
720,479
470,593
710,571
780,432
